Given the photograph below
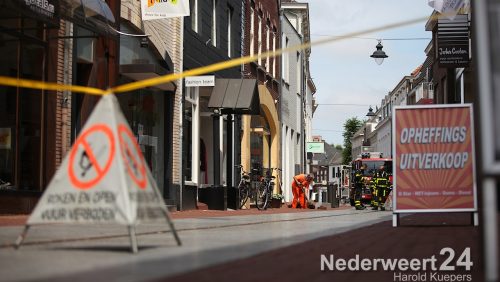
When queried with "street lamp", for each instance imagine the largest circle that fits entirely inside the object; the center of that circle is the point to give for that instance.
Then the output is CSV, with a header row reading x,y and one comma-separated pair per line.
x,y
378,54
370,112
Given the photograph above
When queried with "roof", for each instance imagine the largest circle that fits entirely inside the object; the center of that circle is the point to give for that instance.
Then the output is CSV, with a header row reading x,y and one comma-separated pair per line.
x,y
332,156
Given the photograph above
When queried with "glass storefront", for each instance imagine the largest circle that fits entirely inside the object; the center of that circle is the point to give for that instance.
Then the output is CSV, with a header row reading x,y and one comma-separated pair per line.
x,y
144,110
24,52
260,146
147,110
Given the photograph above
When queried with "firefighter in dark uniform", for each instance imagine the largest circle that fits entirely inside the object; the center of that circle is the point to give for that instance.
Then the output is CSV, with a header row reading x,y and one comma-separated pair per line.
x,y
381,182
358,187
373,190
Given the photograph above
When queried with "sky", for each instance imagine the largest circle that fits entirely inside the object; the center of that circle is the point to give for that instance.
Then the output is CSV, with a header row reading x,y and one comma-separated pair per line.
x,y
343,71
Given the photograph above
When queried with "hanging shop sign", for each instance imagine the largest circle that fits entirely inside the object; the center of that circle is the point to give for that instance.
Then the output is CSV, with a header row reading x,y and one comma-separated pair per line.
x,y
198,81
453,42
315,147
162,9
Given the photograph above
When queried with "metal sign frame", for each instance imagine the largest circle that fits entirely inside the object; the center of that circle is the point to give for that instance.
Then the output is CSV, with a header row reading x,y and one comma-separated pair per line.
x,y
474,188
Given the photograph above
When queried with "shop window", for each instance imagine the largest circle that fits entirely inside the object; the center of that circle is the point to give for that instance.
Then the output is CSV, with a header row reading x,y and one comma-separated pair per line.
x,y
144,110
30,120
286,62
260,145
187,134
86,45
8,102
190,135
131,51
21,109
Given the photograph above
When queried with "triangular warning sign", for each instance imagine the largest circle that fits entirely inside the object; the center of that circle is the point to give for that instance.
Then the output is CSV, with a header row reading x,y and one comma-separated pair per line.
x,y
104,178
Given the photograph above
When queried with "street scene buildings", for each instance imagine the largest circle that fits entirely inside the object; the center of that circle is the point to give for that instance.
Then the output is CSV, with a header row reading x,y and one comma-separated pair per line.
x,y
222,106
179,125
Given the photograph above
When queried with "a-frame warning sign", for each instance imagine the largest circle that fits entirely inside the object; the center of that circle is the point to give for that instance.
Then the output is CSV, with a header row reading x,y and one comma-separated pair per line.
x,y
103,179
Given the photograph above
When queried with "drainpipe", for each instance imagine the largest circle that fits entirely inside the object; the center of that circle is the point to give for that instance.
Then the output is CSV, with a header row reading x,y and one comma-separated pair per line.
x,y
229,154
181,119
280,95
302,105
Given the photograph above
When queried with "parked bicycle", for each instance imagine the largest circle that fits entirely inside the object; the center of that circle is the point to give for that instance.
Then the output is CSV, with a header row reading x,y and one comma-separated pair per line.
x,y
244,187
264,191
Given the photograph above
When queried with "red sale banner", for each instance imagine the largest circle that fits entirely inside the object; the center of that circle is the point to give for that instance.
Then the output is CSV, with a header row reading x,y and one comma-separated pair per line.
x,y
434,158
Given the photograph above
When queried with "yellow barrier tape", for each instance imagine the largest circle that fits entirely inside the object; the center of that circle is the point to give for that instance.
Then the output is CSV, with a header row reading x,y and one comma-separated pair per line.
x,y
247,59
198,71
27,83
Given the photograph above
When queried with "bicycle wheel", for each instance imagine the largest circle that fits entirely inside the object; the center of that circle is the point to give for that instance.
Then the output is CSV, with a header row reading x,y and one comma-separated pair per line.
x,y
244,191
261,197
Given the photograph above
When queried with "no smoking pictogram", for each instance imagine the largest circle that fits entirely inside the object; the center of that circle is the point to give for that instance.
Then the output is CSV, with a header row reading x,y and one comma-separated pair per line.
x,y
131,153
91,156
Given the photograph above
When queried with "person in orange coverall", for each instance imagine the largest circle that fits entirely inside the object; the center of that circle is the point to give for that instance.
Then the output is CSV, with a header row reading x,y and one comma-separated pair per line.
x,y
300,185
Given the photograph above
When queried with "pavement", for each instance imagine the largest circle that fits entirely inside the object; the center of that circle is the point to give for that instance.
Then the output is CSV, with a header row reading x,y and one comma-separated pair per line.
x,y
243,245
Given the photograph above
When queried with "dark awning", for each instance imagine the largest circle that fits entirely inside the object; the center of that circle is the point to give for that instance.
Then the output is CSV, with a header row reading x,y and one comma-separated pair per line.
x,y
94,15
144,71
235,96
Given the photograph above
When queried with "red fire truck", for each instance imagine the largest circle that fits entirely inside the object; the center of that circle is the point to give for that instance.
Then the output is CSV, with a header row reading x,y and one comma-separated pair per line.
x,y
372,162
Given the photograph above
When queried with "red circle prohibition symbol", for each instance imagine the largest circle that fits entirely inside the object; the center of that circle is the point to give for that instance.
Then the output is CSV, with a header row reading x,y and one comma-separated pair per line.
x,y
139,164
101,172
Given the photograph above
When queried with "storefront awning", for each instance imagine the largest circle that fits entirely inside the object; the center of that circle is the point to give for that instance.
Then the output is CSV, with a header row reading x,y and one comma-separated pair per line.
x,y
144,71
94,15
235,96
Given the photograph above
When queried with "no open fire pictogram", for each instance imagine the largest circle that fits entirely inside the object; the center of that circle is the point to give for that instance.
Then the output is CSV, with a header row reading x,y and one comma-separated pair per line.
x,y
91,156
131,153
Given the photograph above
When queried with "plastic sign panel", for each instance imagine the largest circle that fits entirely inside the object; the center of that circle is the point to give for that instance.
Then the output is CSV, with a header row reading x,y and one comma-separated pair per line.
x,y
449,8
104,178
315,147
434,159
162,9
198,81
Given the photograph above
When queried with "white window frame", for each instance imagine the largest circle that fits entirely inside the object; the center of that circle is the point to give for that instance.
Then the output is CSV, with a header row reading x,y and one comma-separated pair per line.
x,y
192,98
214,23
